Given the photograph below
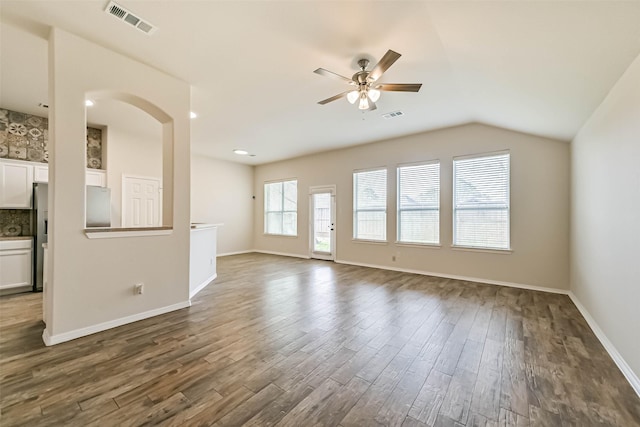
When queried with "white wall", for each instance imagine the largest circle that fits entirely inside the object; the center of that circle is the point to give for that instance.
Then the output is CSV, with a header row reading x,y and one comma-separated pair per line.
x,y
221,192
539,205
91,280
605,216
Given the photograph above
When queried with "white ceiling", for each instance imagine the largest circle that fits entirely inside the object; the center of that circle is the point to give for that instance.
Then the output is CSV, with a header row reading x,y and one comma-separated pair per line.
x,y
536,67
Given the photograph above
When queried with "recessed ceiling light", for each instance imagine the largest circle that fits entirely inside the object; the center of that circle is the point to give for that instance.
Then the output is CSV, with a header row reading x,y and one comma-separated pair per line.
x,y
241,152
88,103
193,115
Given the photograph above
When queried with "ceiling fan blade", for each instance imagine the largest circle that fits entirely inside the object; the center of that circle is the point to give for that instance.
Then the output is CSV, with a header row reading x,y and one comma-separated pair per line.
x,y
383,65
333,98
333,75
399,87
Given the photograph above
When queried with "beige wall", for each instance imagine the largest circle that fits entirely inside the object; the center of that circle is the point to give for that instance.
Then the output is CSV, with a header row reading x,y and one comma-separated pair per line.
x,y
128,153
539,205
605,218
221,193
91,280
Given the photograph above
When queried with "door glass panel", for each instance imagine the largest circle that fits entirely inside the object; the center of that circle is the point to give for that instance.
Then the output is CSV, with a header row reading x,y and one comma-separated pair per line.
x,y
322,222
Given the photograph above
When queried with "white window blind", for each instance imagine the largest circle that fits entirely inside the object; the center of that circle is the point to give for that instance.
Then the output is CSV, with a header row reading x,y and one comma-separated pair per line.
x,y
281,208
419,203
370,205
481,201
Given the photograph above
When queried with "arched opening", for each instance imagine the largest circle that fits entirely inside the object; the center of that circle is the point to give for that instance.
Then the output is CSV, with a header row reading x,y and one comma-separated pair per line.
x,y
133,154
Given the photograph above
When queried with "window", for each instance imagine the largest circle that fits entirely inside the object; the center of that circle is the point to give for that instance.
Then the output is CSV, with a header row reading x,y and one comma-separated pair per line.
x,y
419,203
481,201
281,208
370,205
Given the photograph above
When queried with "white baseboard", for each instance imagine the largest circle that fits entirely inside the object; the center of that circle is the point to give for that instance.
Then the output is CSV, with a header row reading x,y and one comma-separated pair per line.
x,y
201,286
282,254
608,345
77,333
236,253
456,277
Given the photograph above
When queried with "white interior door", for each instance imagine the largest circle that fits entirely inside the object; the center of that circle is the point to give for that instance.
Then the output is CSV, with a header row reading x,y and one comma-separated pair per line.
x,y
322,223
141,202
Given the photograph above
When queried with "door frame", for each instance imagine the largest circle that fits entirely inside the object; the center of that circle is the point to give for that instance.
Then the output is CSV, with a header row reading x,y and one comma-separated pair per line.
x,y
123,206
331,189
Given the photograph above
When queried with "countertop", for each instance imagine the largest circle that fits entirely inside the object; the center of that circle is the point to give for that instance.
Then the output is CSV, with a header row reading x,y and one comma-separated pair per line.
x,y
200,225
16,238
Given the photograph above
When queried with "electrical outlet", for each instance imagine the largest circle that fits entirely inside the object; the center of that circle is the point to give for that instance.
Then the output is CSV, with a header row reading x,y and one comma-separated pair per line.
x,y
138,289
211,261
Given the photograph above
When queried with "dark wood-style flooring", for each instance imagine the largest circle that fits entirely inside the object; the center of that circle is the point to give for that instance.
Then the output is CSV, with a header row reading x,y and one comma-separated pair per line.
x,y
289,342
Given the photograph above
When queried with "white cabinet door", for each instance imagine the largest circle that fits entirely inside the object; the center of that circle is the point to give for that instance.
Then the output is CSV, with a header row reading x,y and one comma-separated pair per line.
x,y
96,177
15,264
41,173
16,181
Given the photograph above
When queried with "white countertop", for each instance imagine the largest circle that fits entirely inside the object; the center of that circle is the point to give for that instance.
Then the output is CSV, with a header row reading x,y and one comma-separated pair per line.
x,y
203,225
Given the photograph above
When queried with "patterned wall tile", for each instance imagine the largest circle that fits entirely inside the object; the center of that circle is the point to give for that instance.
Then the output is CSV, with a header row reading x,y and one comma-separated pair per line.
x,y
15,222
25,137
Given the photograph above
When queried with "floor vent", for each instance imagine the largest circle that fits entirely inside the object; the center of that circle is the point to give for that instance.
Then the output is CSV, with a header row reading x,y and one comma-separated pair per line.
x,y
393,114
114,9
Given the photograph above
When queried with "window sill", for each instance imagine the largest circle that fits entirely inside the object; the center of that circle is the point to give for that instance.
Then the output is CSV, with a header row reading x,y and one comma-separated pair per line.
x,y
487,250
373,242
112,233
280,235
419,245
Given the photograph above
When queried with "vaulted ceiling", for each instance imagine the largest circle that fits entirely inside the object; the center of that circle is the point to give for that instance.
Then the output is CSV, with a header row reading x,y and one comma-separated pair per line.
x,y
535,67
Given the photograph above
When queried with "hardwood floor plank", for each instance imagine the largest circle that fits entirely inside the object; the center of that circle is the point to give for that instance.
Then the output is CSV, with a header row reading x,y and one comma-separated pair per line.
x,y
458,398
426,406
304,342
250,407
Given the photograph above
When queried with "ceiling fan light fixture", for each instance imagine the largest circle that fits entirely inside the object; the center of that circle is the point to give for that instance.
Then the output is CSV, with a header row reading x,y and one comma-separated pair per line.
x,y
374,95
352,96
364,101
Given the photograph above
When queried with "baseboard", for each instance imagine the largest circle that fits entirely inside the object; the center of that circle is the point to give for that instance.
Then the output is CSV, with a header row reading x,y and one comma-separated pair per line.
x,y
236,253
282,254
202,285
82,332
456,277
608,345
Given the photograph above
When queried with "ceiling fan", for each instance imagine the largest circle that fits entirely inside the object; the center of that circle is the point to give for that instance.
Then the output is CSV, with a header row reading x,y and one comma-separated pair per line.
x,y
365,89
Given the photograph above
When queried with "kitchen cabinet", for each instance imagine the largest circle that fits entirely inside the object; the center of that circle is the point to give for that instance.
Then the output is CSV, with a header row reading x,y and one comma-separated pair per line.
x,y
16,179
96,177
41,173
15,263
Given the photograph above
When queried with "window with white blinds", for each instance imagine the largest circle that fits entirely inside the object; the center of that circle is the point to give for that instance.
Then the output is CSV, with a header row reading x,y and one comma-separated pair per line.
x,y
419,203
481,201
281,208
370,205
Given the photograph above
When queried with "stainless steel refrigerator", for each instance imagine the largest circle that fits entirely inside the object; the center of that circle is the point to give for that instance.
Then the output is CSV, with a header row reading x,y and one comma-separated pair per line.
x,y
98,215
98,206
41,224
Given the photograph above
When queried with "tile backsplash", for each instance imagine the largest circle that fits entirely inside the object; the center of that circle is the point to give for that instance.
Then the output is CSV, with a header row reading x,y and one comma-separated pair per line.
x,y
15,222
25,137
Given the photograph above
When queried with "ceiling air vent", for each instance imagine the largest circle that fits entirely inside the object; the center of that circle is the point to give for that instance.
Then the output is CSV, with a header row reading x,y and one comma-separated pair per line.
x,y
393,114
125,15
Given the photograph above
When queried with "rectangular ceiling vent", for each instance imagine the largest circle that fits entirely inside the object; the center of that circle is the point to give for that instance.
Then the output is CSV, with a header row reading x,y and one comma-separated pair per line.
x,y
393,114
125,15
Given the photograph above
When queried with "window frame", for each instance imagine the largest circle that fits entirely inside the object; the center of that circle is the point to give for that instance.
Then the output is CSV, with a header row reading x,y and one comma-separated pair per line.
x,y
282,211
398,204
355,238
454,210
